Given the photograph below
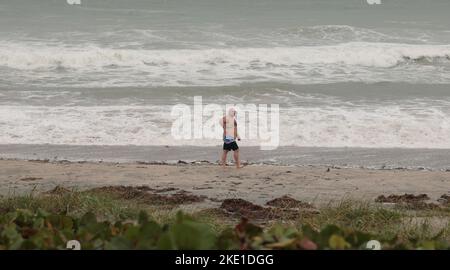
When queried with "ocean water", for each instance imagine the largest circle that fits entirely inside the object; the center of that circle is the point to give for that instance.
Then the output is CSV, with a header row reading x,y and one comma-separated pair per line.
x,y
107,72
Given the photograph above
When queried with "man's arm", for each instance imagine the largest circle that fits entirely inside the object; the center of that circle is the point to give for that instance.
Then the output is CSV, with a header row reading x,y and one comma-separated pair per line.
x,y
223,124
236,135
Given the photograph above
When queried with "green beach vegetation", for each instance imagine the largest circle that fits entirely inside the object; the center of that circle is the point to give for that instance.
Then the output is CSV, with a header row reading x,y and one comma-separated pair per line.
x,y
100,219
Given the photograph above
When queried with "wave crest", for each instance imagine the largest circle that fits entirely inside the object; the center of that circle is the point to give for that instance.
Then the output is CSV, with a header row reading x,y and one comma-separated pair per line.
x,y
364,54
94,66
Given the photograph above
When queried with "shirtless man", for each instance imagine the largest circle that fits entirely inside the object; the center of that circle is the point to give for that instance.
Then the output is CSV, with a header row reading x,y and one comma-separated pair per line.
x,y
230,134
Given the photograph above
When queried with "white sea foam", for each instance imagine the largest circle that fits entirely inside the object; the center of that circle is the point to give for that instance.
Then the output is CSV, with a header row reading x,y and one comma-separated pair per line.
x,y
415,126
356,53
354,61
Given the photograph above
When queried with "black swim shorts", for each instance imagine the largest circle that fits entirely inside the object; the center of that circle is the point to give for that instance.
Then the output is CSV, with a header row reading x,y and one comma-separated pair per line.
x,y
230,146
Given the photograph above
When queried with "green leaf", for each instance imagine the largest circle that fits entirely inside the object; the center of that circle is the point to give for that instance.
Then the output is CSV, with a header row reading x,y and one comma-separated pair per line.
x,y
338,242
429,245
228,240
119,243
143,217
88,218
150,230
187,234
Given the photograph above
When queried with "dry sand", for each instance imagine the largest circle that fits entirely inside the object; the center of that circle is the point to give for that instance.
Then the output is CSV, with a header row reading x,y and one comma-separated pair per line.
x,y
257,184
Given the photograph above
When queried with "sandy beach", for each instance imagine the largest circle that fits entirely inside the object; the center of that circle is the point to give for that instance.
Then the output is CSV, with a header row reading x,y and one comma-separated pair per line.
x,y
116,115
255,183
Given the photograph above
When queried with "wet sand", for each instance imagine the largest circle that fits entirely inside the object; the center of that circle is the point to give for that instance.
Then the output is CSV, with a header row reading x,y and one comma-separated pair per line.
x,y
255,183
372,158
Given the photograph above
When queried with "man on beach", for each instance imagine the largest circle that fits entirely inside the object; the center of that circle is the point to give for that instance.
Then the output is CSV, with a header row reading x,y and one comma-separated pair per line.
x,y
230,134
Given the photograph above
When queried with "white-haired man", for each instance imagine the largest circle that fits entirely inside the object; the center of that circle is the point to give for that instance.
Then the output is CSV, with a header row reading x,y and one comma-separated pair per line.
x,y
230,134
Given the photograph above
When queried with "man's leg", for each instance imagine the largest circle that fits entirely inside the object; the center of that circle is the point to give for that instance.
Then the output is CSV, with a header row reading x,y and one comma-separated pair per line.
x,y
224,158
236,158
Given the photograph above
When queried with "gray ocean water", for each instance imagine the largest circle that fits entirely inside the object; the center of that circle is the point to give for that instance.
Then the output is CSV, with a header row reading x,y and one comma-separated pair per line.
x,y
346,74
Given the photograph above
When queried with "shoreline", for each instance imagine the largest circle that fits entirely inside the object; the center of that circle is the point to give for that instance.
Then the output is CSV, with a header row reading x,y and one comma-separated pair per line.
x,y
256,183
369,158
230,164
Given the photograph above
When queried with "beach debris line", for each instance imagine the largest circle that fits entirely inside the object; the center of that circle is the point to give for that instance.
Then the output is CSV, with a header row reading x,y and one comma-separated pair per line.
x,y
149,195
284,208
410,201
288,202
243,208
26,179
444,199
406,198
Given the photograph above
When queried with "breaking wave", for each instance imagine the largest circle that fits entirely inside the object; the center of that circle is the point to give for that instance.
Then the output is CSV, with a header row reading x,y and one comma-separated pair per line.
x,y
356,61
